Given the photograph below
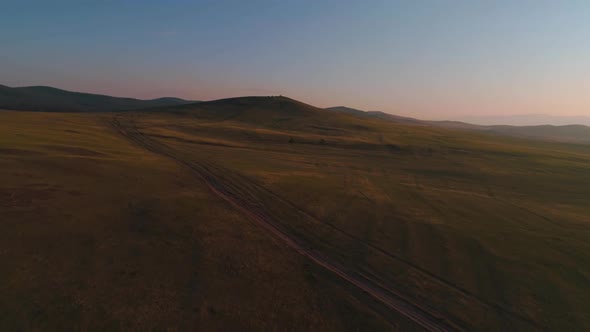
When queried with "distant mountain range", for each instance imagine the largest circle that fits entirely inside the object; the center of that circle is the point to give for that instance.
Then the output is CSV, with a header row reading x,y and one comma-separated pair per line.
x,y
48,99
528,120
575,133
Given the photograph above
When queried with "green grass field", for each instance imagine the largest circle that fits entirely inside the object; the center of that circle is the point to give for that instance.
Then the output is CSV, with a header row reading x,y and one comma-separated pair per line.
x,y
100,233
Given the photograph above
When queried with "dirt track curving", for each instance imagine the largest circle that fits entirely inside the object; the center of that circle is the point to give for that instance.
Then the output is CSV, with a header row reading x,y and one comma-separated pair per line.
x,y
233,188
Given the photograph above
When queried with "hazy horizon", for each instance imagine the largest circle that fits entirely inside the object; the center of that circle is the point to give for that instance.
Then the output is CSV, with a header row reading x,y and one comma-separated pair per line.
x,y
436,60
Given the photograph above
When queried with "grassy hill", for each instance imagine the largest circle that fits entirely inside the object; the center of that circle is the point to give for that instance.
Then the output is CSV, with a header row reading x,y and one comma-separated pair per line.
x,y
375,115
42,98
160,220
566,133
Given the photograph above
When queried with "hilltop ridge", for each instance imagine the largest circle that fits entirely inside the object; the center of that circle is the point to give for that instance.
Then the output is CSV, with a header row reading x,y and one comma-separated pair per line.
x,y
50,99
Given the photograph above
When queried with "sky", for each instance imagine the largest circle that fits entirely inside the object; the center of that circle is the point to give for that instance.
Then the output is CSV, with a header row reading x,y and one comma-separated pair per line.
x,y
426,59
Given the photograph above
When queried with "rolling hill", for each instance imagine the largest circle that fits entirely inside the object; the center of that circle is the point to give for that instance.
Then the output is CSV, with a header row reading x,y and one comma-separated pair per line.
x,y
49,99
375,114
276,112
43,98
468,223
266,213
528,120
576,133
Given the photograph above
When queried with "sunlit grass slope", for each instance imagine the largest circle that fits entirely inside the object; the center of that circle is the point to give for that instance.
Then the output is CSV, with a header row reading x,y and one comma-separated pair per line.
x,y
97,234
492,231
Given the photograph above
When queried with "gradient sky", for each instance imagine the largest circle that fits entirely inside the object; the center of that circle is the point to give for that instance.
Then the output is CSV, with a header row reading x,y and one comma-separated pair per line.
x,y
428,59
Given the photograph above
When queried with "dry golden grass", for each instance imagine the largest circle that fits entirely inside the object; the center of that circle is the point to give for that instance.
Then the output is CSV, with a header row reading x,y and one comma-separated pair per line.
x,y
99,233
492,231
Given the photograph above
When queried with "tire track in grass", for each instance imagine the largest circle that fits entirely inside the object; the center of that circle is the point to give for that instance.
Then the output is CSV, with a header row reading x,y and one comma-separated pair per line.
x,y
230,192
502,311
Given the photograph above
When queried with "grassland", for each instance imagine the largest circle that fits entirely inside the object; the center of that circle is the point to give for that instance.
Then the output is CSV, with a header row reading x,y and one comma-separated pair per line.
x,y
490,232
101,235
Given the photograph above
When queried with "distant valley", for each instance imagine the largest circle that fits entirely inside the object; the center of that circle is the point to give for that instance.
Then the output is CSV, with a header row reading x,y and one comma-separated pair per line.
x,y
575,133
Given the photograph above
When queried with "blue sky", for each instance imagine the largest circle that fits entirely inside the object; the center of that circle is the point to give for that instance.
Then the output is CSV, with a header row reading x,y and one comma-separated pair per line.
x,y
429,59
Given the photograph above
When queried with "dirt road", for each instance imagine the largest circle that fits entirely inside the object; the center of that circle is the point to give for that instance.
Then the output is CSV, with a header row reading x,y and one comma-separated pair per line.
x,y
236,191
